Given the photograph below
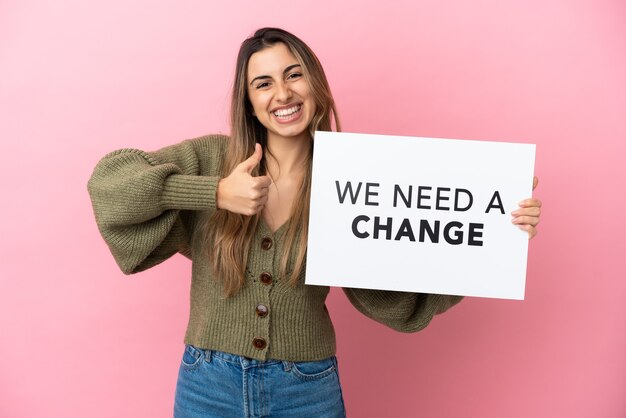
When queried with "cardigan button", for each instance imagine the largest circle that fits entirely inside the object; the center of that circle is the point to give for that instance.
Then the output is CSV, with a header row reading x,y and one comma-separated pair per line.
x,y
259,343
266,278
262,310
266,243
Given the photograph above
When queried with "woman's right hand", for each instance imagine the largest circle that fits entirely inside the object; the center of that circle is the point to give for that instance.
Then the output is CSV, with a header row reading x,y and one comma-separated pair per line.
x,y
242,193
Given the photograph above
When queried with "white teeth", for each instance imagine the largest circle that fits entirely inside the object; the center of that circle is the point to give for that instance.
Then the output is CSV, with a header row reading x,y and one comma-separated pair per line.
x,y
287,112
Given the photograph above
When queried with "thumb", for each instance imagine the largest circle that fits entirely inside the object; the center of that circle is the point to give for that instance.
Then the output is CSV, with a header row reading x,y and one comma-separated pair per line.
x,y
535,182
254,160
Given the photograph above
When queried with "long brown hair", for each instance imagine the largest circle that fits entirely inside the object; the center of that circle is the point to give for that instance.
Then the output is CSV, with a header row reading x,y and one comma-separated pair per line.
x,y
230,233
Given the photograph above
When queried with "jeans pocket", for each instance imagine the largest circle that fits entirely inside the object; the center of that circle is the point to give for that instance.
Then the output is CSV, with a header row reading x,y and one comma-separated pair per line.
x,y
313,370
192,357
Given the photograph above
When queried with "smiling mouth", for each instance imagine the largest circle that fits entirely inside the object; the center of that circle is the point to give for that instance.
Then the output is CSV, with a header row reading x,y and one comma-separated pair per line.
x,y
289,114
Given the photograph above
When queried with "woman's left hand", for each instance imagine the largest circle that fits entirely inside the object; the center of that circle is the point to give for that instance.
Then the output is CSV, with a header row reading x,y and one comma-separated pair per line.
x,y
527,216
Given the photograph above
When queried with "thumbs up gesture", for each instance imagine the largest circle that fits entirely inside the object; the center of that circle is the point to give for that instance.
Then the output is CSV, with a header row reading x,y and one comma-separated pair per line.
x,y
527,216
242,193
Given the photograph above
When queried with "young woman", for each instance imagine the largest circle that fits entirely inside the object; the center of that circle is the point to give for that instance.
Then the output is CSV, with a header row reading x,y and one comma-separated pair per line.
x,y
259,342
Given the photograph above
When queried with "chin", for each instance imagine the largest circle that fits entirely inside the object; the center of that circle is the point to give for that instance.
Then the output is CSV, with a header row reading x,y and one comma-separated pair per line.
x,y
290,132
293,133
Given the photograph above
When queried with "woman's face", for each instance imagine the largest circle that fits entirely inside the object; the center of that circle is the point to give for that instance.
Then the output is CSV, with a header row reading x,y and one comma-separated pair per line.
x,y
280,96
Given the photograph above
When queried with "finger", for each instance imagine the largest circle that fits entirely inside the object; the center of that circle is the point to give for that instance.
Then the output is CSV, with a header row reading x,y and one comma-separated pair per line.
x,y
532,231
262,182
530,202
249,211
535,182
529,211
525,220
262,201
254,160
256,195
254,208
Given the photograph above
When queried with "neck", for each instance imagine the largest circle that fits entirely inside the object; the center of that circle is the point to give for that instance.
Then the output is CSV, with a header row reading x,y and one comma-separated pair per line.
x,y
287,156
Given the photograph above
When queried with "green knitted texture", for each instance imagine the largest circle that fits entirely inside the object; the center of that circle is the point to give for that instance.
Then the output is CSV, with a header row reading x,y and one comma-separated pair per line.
x,y
147,206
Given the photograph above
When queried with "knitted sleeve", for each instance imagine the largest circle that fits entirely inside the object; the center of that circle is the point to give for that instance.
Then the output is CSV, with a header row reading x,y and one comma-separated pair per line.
x,y
402,311
145,202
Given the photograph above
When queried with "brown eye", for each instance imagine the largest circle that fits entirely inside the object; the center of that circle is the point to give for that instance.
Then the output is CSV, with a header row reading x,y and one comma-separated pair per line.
x,y
294,76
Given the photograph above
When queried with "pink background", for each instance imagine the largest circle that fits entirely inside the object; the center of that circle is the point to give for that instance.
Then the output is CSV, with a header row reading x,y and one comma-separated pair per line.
x,y
79,79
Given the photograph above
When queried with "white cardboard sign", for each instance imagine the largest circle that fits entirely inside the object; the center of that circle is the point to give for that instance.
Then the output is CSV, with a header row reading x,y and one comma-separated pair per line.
x,y
425,215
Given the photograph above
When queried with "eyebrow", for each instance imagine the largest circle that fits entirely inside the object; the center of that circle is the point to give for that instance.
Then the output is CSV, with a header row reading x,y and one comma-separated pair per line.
x,y
262,77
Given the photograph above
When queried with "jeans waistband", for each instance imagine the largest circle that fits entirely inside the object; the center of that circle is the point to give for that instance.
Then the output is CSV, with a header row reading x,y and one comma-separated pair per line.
x,y
245,362
242,361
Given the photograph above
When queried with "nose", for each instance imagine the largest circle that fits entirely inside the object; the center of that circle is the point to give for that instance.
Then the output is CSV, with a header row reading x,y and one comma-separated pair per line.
x,y
283,92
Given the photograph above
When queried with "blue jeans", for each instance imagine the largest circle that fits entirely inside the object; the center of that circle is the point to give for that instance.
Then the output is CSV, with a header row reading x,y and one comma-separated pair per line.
x,y
217,384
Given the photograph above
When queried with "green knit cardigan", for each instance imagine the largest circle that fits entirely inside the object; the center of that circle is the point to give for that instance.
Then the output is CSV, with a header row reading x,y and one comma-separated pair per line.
x,y
147,206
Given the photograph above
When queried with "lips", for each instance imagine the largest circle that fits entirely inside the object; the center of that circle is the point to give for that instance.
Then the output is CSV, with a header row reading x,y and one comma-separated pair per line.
x,y
288,114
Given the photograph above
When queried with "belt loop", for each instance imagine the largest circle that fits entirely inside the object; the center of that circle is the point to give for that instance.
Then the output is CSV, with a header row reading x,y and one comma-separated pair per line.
x,y
287,365
208,355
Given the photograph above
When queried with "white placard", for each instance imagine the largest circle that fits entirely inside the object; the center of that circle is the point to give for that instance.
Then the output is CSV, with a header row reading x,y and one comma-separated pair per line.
x,y
418,214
